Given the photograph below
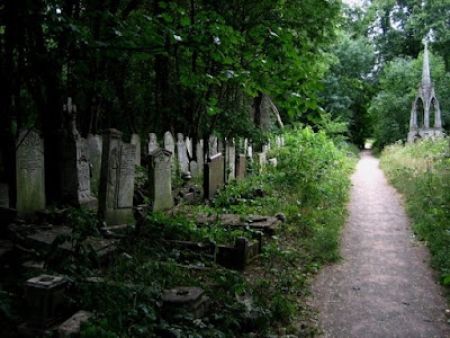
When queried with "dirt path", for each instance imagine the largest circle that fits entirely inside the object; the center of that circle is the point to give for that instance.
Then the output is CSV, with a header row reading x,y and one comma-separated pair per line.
x,y
383,286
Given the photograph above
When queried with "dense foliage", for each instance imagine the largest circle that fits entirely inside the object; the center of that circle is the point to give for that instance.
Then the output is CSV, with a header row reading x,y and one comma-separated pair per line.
x,y
194,66
421,172
310,186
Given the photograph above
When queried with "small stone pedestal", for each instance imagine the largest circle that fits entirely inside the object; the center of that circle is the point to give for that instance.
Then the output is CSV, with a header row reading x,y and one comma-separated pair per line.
x,y
185,299
240,255
45,298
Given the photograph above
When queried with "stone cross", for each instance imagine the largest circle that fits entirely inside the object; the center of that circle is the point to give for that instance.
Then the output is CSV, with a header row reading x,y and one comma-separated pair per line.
x,y
76,171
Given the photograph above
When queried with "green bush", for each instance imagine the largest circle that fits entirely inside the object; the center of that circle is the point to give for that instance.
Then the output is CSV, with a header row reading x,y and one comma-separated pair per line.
x,y
421,171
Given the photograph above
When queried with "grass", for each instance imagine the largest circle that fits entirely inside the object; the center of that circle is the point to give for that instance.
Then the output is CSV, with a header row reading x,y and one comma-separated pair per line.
x,y
421,172
310,187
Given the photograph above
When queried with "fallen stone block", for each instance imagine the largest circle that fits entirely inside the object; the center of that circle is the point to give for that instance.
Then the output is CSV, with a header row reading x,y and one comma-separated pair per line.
x,y
71,327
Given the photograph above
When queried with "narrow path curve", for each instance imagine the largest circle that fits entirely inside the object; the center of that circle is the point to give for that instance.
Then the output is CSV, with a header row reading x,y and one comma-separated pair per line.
x,y
383,286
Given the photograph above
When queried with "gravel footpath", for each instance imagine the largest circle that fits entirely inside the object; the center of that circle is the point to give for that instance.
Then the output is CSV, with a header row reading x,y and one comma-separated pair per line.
x,y
383,286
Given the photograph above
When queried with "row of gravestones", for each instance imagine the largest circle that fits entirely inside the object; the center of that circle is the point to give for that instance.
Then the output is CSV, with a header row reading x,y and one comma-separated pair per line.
x,y
107,165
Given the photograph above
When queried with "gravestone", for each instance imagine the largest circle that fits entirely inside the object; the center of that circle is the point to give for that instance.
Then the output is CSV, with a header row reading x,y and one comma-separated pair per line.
x,y
196,167
76,176
189,147
30,174
250,153
94,144
160,179
117,179
4,195
230,157
278,141
220,147
182,155
213,178
136,140
212,146
152,143
169,143
241,166
262,160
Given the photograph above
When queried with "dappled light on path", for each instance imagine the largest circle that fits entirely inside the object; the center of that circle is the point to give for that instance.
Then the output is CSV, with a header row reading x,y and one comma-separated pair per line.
x,y
383,286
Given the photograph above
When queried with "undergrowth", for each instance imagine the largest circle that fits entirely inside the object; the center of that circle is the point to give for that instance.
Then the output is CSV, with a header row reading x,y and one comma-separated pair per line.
x,y
421,172
309,186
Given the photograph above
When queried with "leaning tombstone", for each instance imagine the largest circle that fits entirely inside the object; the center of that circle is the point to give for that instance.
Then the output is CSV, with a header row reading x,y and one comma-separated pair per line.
x,y
136,140
152,143
30,174
94,144
160,179
213,177
169,143
182,156
117,179
230,158
76,178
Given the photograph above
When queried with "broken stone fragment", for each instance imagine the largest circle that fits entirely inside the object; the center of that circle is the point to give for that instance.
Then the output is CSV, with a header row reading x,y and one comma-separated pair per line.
x,y
71,327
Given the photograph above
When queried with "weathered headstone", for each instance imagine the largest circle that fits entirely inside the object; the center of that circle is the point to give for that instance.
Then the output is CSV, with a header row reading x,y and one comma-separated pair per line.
x,y
152,143
160,179
94,144
4,195
213,177
241,166
189,147
117,179
136,140
76,173
182,155
169,143
30,174
262,160
212,146
250,153
196,167
220,147
230,158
